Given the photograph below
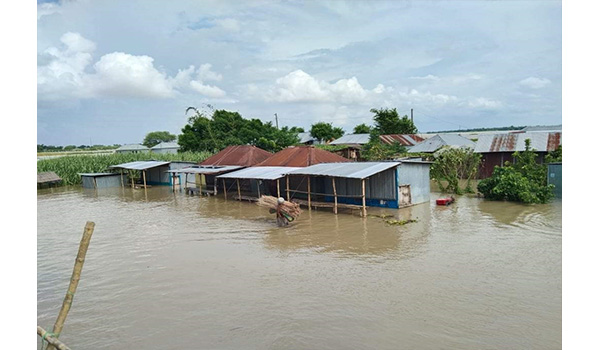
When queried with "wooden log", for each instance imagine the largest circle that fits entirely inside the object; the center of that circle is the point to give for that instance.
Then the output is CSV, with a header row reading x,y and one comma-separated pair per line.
x,y
239,191
132,183
308,192
287,187
144,176
83,247
122,183
224,189
335,207
364,199
51,340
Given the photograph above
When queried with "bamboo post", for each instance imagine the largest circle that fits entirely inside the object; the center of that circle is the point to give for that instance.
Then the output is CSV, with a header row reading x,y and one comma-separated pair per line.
x,y
364,199
239,191
224,189
258,188
132,183
215,186
308,192
278,195
144,176
335,209
50,339
122,184
83,247
287,187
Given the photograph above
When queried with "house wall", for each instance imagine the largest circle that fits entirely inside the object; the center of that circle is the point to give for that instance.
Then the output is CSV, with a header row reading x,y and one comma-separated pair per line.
x,y
555,178
490,160
165,150
417,176
158,176
102,181
191,178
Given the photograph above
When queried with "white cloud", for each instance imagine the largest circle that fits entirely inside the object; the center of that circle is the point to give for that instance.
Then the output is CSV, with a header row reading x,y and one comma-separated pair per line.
x,y
229,24
67,73
535,83
484,103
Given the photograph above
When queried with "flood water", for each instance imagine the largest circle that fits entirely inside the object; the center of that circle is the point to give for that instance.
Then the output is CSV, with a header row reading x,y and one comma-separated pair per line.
x,y
169,271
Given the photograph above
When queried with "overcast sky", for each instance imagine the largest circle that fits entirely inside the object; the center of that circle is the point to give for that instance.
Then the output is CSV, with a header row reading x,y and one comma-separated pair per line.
x,y
111,71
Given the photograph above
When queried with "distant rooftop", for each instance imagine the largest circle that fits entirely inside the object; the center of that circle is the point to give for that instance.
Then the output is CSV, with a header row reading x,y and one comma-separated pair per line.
x,y
164,145
350,139
438,141
132,147
543,128
540,141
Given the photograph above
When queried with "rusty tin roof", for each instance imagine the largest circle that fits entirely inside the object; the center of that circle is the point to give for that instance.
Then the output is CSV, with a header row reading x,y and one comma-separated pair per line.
x,y
302,156
512,142
403,139
243,155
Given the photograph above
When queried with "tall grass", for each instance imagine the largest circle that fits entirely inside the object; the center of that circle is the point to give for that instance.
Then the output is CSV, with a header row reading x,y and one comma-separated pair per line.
x,y
69,167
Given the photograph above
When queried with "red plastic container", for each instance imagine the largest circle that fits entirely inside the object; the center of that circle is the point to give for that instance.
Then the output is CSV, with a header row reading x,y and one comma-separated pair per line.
x,y
444,201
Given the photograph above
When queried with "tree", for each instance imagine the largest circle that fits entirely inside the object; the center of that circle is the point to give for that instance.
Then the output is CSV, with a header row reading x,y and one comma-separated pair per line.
x,y
325,131
387,121
362,129
453,164
377,150
155,137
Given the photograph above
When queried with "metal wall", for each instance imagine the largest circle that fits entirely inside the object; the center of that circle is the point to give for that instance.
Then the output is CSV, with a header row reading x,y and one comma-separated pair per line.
x,y
102,181
555,178
165,150
191,178
158,176
417,176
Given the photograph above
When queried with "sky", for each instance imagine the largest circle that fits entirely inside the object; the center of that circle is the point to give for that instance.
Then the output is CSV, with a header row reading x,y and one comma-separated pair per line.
x,y
109,72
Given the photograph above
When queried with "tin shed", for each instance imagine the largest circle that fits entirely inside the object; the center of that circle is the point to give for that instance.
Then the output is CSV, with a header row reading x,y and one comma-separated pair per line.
x,y
102,180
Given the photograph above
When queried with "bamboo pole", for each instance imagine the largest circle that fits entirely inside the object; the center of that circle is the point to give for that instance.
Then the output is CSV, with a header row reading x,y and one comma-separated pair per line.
x,y
83,247
308,192
50,339
185,184
144,176
258,188
239,191
122,184
364,199
335,208
132,183
224,189
278,195
287,187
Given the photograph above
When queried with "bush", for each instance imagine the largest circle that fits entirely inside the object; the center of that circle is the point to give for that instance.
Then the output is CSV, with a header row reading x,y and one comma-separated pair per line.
x,y
453,164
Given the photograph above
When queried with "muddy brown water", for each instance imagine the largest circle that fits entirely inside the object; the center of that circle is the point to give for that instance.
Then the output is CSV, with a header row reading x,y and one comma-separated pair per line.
x,y
169,271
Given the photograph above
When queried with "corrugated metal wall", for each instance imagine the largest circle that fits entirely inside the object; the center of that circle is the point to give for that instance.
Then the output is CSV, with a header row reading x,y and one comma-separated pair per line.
x,y
555,178
417,176
102,181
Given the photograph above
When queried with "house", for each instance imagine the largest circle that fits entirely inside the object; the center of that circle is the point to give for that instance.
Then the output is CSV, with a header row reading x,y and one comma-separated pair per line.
x,y
165,147
356,185
132,148
301,156
496,149
438,141
151,172
306,139
352,139
102,180
406,140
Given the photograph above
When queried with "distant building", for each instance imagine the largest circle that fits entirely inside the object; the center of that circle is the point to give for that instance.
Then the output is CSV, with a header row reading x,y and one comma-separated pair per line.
x,y
407,140
243,155
497,149
301,156
554,128
132,148
306,139
165,147
432,144
352,139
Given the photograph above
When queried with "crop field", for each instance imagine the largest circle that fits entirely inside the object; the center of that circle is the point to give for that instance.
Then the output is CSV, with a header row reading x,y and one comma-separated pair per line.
x,y
69,167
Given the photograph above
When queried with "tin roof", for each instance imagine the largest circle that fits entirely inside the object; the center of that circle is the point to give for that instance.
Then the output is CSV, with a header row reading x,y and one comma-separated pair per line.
x,y
512,142
305,137
132,147
97,174
359,139
259,172
140,165
403,139
440,140
302,156
164,145
208,169
354,170
543,128
243,155
48,176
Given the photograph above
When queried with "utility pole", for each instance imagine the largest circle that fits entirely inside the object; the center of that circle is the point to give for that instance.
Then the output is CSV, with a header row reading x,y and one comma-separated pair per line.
x,y
276,122
411,115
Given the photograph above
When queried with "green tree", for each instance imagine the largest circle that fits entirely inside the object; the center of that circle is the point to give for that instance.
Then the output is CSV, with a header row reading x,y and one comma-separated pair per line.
x,y
387,121
325,131
377,150
453,164
155,137
362,129
554,156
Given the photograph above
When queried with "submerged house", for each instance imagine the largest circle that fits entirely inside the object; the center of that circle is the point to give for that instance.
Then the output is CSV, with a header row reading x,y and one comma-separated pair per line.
x,y
147,172
496,149
102,180
358,185
165,147
132,148
434,143
47,178
264,177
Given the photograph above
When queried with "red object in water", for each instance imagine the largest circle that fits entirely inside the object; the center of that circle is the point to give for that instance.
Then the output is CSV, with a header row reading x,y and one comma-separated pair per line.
x,y
444,201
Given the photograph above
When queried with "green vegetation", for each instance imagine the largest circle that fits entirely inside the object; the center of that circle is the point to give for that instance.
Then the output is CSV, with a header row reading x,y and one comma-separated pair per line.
x,y
387,121
69,167
47,148
554,156
155,137
377,150
223,128
331,148
325,131
524,182
453,164
362,129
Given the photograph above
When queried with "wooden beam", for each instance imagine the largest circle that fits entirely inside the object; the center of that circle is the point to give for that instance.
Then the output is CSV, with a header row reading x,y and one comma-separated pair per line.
x,y
224,189
308,192
239,191
287,187
258,188
144,176
278,195
185,185
335,207
364,199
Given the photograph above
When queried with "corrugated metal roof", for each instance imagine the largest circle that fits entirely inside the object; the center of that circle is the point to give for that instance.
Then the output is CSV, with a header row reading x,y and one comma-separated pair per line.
x,y
139,165
302,156
259,172
403,139
305,137
543,128
354,170
244,155
97,174
438,141
132,147
206,169
359,139
164,145
512,142
48,176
